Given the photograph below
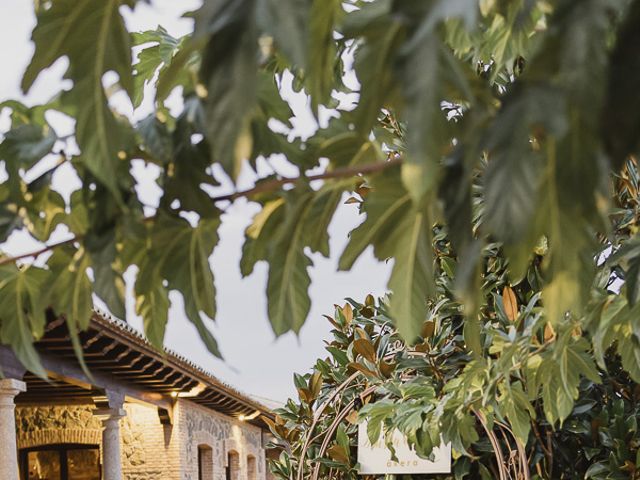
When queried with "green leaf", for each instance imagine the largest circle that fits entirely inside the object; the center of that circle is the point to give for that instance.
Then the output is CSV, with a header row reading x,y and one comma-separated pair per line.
x,y
397,229
71,292
187,171
228,71
425,136
621,118
94,37
95,40
515,405
560,376
289,281
156,139
285,20
375,413
258,235
321,52
26,145
629,351
373,60
176,257
22,309
108,282
321,210
152,58
182,253
152,303
512,177
569,263
9,220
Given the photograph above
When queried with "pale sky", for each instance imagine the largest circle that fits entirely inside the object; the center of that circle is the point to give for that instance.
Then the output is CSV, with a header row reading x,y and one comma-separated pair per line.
x,y
255,361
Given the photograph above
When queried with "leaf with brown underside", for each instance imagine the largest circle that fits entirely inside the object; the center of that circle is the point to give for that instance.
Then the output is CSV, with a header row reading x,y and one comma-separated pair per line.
x,y
510,303
365,348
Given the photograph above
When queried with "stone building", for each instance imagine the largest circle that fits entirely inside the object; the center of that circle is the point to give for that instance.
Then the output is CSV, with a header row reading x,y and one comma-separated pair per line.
x,y
141,415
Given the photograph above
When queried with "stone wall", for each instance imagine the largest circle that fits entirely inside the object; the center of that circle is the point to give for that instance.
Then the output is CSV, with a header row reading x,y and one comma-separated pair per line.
x,y
150,450
47,425
200,426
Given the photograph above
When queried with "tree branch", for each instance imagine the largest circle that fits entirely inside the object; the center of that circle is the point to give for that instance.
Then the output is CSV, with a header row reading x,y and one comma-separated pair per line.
x,y
271,185
267,186
37,253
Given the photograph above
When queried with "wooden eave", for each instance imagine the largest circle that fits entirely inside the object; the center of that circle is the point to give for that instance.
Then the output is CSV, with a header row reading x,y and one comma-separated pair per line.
x,y
120,355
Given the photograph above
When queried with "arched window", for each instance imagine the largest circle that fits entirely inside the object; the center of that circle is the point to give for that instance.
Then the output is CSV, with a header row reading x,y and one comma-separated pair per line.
x,y
205,462
252,474
233,465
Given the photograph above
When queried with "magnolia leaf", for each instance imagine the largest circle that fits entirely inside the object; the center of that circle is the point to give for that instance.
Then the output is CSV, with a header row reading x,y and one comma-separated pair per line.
x,y
338,453
365,348
510,303
347,313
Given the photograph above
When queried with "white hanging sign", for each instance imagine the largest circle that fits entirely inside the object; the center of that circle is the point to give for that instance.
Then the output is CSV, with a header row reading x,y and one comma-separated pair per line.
x,y
376,459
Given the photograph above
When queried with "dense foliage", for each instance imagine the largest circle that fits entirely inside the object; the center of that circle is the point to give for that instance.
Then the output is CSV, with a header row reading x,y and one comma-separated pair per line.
x,y
498,403
539,95
517,395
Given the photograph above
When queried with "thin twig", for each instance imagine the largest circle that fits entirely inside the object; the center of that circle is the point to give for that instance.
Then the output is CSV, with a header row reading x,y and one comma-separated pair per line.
x,y
270,185
267,186
37,253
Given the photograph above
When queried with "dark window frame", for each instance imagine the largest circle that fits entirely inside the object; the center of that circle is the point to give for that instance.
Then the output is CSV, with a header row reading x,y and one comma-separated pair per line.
x,y
62,449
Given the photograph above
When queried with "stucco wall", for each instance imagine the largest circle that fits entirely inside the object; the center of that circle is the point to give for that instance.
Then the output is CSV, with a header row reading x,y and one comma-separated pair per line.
x,y
150,450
